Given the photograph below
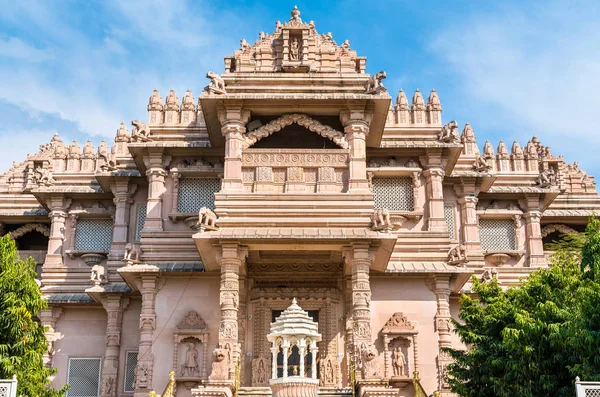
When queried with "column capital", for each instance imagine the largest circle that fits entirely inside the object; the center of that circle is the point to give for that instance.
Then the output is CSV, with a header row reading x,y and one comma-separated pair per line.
x,y
434,172
533,216
58,214
468,200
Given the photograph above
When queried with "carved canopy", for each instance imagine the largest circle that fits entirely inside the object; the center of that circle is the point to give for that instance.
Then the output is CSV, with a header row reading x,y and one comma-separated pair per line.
x,y
398,324
304,120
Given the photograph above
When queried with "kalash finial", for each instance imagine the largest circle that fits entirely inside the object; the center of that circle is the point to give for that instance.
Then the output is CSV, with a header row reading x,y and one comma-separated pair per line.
x,y
296,14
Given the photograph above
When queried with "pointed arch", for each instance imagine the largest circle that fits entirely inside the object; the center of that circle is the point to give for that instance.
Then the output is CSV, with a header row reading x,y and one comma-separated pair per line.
x,y
557,227
250,138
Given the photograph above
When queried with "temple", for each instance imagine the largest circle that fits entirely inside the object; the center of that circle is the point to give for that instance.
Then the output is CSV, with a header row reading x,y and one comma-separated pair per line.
x,y
292,189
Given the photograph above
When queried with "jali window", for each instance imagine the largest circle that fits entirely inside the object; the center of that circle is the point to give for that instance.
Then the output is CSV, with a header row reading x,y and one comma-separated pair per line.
x,y
497,234
195,193
130,364
93,235
84,377
393,193
140,220
450,220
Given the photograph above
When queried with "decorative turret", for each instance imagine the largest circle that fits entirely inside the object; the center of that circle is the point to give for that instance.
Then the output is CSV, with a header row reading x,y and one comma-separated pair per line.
x,y
531,156
172,108
74,155
60,153
88,160
188,109
88,150
294,335
402,108
503,157
518,163
155,108
488,152
468,140
434,108
121,139
418,108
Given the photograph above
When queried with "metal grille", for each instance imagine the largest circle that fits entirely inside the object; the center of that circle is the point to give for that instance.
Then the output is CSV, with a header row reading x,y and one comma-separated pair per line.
x,y
84,377
450,220
195,193
592,392
140,220
497,234
395,194
93,235
130,364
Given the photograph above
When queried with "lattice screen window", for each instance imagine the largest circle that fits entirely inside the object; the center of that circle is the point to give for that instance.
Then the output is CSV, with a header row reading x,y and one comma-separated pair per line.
x,y
93,235
395,194
130,364
195,193
497,234
450,220
140,220
84,377
592,392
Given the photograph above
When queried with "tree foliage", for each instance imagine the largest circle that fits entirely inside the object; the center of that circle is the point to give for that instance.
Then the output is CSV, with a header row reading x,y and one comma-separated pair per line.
x,y
535,338
22,339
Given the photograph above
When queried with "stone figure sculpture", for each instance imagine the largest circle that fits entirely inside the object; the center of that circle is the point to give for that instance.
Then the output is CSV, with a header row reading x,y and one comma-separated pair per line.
x,y
44,176
375,85
220,370
216,84
370,363
294,50
449,133
481,164
97,275
190,367
140,131
132,253
207,219
399,362
546,178
457,255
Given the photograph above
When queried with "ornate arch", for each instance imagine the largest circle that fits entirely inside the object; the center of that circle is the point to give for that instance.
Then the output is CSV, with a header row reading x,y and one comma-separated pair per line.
x,y
30,227
304,120
557,227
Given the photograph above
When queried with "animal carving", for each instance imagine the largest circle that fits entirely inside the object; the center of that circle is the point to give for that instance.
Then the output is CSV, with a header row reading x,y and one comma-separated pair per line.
x,y
381,219
140,131
98,274
216,84
370,363
449,133
481,164
132,253
374,85
458,255
220,370
44,176
207,219
546,178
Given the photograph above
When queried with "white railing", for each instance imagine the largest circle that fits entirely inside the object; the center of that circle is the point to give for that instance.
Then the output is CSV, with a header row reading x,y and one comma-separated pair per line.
x,y
8,387
587,389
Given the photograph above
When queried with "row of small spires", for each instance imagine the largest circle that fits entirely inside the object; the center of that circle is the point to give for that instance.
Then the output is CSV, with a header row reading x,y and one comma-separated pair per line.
x,y
418,103
187,103
74,151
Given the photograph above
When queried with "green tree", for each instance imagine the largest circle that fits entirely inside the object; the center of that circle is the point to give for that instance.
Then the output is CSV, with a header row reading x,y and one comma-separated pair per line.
x,y
532,339
22,339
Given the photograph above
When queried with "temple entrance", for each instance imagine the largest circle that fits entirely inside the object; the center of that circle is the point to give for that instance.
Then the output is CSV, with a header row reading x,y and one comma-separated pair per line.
x,y
293,361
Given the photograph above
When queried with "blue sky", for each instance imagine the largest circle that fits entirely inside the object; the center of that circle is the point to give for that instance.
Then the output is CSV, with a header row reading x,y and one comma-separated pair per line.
x,y
511,68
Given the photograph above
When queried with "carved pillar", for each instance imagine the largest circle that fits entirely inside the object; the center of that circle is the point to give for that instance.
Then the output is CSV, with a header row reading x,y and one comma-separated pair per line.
x,y
313,366
470,227
156,188
242,318
58,215
285,346
114,304
175,191
122,191
48,317
230,263
387,357
148,288
233,120
274,353
435,200
442,324
535,246
356,134
361,298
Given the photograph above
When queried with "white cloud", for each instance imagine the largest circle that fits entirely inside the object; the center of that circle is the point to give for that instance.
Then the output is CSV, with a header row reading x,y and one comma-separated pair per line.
x,y
14,47
535,62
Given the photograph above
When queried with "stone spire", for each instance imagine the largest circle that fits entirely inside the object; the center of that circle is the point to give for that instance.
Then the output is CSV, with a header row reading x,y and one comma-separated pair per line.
x,y
402,109
468,139
418,108
433,103
122,133
155,101
74,150
187,103
172,101
488,152
401,101
88,150
517,157
503,157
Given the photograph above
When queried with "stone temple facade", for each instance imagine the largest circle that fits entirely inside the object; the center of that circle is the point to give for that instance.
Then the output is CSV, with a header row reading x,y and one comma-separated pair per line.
x,y
292,175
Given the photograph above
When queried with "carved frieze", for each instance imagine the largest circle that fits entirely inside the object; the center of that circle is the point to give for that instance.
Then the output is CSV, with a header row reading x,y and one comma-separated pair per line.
x,y
295,157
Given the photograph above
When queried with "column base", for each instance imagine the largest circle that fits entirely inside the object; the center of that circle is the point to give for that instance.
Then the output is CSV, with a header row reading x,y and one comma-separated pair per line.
x,y
53,260
376,388
295,386
215,388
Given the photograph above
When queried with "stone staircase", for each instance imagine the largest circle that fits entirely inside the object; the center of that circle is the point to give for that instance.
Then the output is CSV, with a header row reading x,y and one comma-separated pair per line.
x,y
266,392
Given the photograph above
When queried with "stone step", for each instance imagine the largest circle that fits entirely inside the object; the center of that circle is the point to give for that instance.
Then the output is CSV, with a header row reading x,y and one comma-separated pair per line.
x,y
323,391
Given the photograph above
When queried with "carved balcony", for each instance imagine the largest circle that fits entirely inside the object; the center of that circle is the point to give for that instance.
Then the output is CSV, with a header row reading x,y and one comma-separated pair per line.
x,y
295,170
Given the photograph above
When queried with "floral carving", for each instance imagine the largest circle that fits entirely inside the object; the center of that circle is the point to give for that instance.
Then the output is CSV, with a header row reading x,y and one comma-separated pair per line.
x,y
304,120
43,229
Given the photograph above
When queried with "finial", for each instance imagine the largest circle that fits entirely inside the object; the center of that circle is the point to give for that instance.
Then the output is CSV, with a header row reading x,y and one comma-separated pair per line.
x,y
296,14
